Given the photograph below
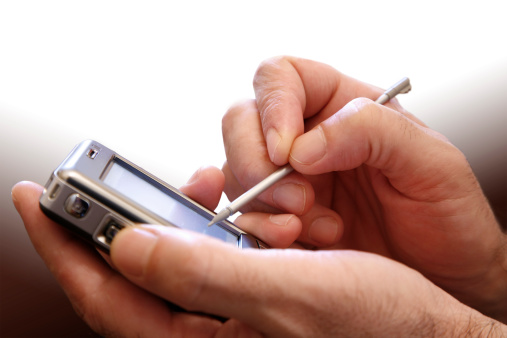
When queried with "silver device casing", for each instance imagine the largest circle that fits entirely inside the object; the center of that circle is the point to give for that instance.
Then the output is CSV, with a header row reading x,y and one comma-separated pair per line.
x,y
79,176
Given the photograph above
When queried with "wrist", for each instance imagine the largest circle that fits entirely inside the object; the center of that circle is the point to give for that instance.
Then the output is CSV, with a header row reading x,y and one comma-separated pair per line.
x,y
481,281
449,317
475,324
489,294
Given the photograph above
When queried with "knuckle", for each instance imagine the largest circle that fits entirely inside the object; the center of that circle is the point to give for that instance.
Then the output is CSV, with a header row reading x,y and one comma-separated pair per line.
x,y
361,112
235,113
270,102
87,306
86,311
363,105
270,67
270,64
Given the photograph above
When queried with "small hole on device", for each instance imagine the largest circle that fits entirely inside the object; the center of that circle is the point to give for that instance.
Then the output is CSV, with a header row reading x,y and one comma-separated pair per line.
x,y
92,153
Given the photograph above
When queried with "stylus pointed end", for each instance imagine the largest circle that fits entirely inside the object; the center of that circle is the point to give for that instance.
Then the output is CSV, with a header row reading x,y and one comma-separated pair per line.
x,y
221,216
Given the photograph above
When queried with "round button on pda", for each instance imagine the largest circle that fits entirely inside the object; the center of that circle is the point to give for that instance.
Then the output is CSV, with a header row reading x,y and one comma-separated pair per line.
x,y
77,206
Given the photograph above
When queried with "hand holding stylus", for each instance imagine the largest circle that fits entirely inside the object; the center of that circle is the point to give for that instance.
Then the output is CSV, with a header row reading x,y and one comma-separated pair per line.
x,y
401,87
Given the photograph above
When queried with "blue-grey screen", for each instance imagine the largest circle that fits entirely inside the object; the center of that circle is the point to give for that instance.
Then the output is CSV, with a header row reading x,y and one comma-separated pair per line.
x,y
162,201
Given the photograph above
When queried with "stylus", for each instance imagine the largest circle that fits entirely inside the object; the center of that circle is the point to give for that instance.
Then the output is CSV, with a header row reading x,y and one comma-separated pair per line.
x,y
401,87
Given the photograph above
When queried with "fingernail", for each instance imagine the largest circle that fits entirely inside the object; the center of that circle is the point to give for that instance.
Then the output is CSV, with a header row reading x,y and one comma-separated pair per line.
x,y
14,194
131,249
280,219
273,139
310,147
323,230
195,176
14,199
290,197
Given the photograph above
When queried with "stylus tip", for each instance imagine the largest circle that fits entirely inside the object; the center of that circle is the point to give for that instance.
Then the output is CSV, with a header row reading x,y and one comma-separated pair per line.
x,y
221,216
215,220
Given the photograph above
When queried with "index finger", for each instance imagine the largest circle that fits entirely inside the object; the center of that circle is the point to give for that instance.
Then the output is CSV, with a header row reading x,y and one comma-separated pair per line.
x,y
289,90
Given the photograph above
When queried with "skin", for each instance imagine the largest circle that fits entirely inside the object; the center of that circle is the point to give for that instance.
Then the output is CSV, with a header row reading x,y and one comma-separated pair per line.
x,y
400,233
273,293
384,182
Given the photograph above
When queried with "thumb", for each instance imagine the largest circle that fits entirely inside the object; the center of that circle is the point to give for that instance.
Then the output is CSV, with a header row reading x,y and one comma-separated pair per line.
x,y
413,157
183,267
205,275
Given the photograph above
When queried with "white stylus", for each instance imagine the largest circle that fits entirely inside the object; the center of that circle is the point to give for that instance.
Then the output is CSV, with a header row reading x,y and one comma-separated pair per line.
x,y
401,87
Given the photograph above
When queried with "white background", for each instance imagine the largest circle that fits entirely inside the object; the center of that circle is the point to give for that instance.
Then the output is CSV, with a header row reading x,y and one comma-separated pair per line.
x,y
152,79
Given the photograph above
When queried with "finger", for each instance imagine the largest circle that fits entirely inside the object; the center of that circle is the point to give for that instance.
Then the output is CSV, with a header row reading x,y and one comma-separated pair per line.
x,y
289,90
280,293
233,189
276,230
235,328
102,297
205,186
249,164
367,133
202,274
395,104
321,227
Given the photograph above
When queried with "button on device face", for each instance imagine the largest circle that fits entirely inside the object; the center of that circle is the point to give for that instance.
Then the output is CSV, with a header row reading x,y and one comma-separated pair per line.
x,y
77,206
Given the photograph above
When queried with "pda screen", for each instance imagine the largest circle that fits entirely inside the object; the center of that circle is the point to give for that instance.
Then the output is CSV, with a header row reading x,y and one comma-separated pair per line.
x,y
162,201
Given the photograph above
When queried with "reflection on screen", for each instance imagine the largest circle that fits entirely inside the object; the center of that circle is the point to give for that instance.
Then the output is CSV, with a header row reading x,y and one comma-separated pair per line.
x,y
160,201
